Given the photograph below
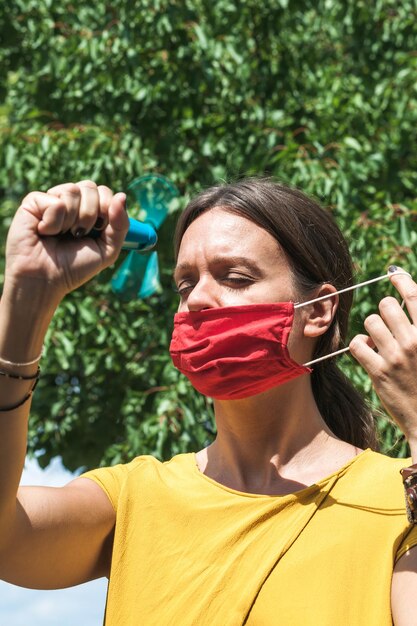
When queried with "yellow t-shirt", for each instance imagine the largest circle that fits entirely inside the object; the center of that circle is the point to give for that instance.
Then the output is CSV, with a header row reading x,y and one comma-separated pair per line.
x,y
190,552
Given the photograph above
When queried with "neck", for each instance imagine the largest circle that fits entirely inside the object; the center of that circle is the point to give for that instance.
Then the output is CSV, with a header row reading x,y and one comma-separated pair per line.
x,y
274,442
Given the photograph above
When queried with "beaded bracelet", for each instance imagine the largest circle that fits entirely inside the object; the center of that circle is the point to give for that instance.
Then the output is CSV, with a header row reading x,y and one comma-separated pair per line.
x,y
34,377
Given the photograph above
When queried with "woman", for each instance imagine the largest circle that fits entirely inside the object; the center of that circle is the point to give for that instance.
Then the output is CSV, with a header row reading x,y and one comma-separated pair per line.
x,y
286,518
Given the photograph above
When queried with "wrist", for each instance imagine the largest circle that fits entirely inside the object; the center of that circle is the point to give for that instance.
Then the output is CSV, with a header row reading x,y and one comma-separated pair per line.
x,y
25,314
412,442
30,298
38,295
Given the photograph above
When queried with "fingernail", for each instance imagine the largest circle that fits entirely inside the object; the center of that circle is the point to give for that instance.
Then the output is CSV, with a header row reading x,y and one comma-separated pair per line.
x,y
80,232
99,223
392,269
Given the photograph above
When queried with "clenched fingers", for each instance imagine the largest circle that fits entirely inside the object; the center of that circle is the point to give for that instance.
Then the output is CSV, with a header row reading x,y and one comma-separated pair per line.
x,y
83,206
70,194
89,209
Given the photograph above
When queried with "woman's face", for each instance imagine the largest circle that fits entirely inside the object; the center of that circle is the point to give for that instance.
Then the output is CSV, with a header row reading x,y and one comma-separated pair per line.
x,y
227,260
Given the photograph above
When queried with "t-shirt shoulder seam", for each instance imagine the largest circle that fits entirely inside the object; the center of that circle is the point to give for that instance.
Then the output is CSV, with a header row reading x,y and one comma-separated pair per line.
x,y
102,486
408,544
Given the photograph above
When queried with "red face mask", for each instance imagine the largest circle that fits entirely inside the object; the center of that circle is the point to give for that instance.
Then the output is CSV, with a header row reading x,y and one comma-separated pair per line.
x,y
235,352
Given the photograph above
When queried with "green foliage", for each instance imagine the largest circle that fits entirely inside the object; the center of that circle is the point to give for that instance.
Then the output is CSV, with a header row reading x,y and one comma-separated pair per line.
x,y
321,94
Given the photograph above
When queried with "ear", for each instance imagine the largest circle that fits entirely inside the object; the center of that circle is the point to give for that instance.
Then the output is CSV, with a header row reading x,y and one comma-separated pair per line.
x,y
319,315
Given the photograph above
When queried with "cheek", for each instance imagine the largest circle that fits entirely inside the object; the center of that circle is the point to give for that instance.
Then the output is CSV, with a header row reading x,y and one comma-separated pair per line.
x,y
296,338
270,291
263,293
297,326
245,296
237,299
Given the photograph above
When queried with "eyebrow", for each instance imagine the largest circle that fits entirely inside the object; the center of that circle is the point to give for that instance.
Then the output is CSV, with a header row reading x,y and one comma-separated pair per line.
x,y
223,260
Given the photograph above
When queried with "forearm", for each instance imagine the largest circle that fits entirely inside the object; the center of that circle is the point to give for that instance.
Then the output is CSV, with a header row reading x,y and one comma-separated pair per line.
x,y
25,314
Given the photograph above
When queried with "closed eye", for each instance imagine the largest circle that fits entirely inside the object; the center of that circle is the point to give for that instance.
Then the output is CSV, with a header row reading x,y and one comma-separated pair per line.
x,y
184,290
185,287
238,281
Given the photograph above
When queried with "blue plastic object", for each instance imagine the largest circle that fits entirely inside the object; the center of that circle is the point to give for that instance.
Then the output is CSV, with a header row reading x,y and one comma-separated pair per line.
x,y
140,236
154,194
138,276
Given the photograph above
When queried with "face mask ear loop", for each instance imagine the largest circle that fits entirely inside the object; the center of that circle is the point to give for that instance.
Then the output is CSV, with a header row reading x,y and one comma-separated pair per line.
x,y
298,305
327,356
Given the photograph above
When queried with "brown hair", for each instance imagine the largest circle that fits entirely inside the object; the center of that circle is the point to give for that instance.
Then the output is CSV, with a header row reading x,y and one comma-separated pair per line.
x,y
318,253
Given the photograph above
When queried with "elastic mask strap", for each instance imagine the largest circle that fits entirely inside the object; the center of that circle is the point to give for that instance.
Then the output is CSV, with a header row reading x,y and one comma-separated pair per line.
x,y
298,305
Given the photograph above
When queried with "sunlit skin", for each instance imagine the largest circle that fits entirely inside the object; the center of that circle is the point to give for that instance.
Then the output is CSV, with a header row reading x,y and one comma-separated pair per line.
x,y
277,441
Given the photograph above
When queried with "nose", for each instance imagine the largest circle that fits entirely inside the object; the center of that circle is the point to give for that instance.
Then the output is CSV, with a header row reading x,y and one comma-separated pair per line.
x,y
203,295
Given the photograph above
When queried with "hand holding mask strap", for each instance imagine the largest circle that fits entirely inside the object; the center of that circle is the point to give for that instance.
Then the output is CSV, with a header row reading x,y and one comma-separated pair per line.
x,y
392,270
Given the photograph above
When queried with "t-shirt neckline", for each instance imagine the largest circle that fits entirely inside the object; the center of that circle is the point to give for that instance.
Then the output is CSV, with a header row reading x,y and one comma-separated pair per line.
x,y
297,494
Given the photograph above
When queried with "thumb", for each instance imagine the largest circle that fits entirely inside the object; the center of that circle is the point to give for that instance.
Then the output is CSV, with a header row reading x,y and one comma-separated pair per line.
x,y
112,237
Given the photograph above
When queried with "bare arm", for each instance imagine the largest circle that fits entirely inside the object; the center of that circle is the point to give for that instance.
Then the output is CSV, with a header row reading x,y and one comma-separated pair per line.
x,y
49,537
59,536
404,590
392,368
